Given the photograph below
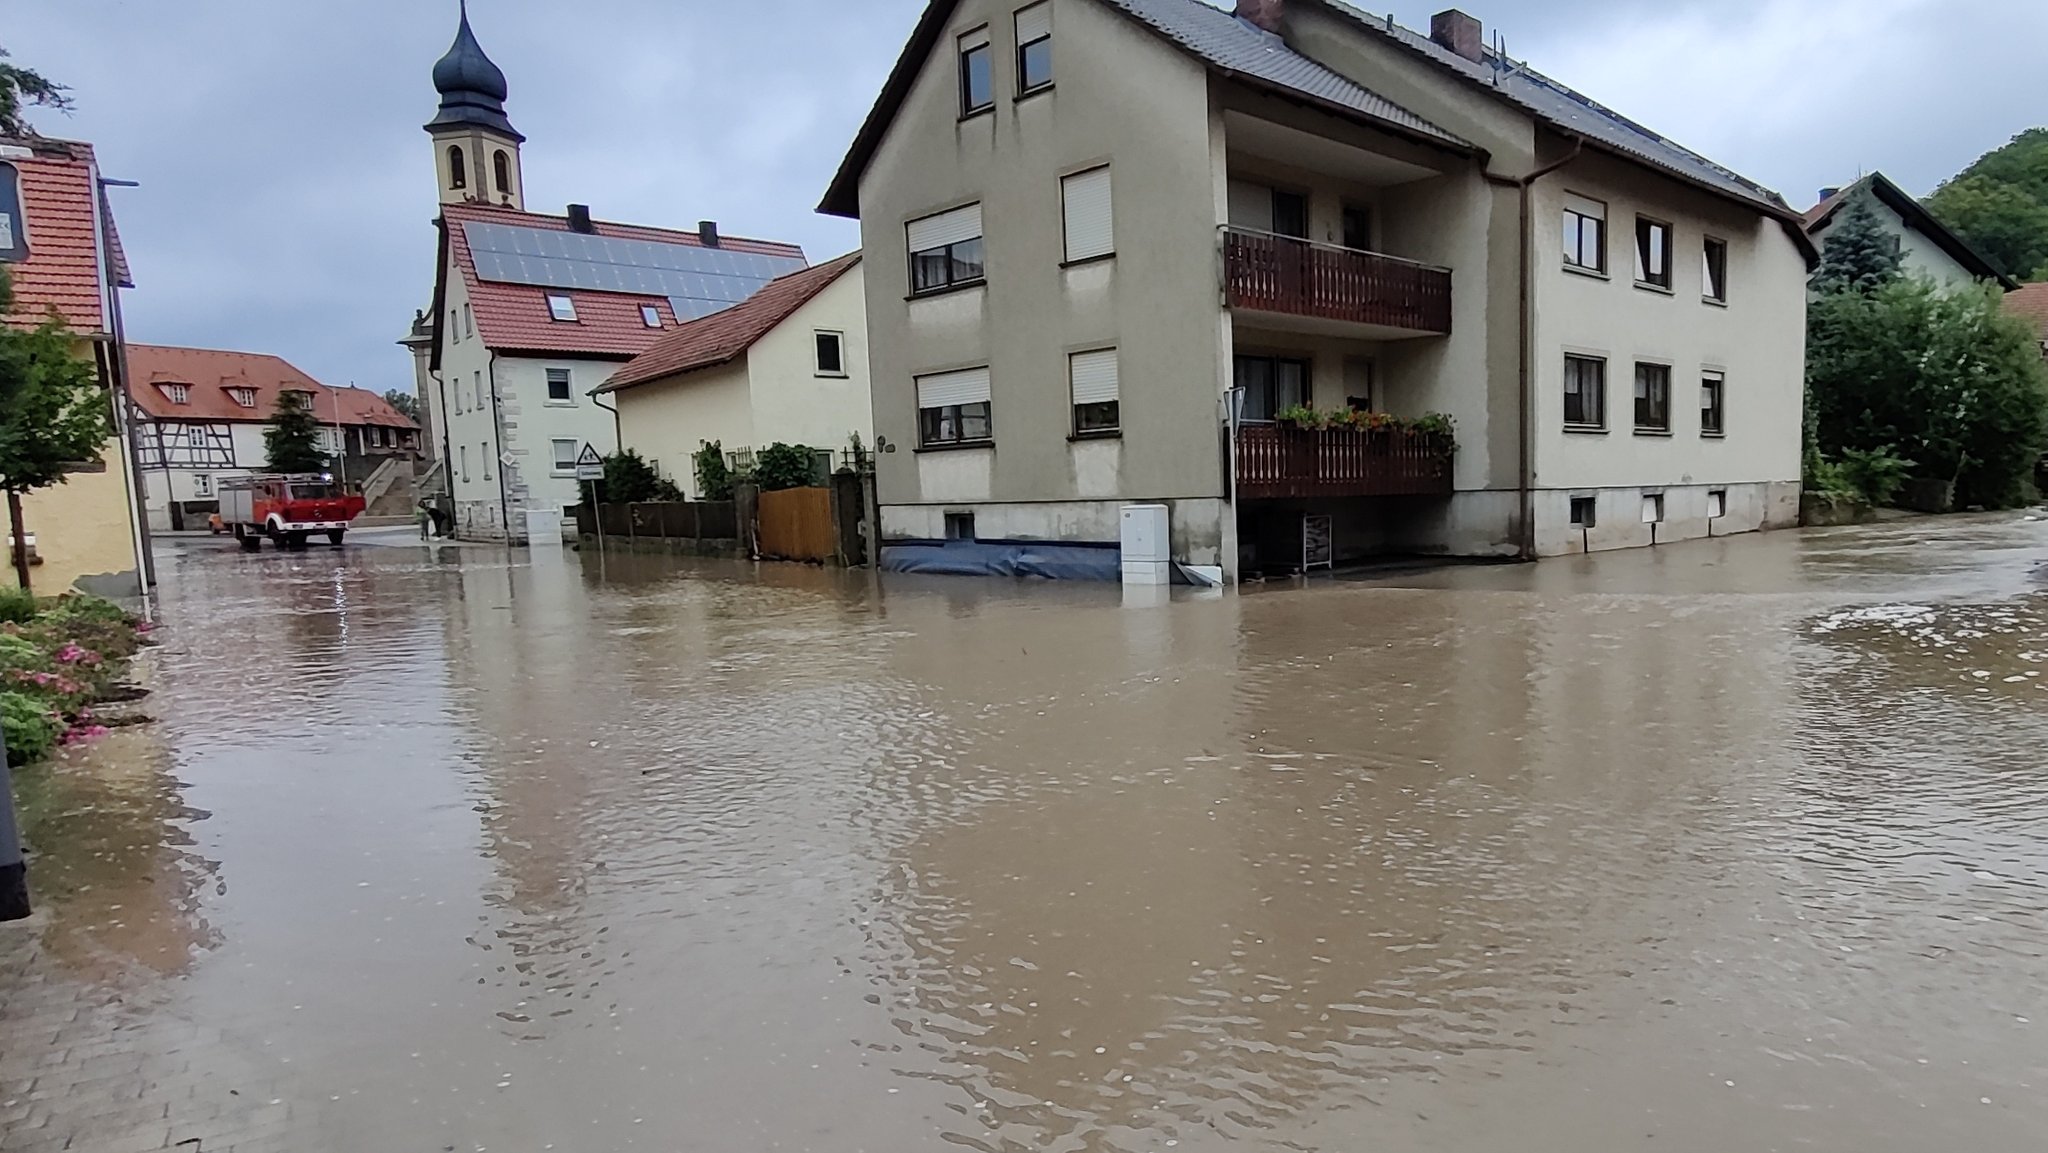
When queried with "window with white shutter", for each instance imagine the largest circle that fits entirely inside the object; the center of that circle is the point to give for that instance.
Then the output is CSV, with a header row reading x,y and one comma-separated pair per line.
x,y
1034,47
953,408
1091,231
945,250
1093,378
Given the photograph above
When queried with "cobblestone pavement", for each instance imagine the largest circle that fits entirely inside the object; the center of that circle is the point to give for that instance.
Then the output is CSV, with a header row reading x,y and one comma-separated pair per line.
x,y
85,1067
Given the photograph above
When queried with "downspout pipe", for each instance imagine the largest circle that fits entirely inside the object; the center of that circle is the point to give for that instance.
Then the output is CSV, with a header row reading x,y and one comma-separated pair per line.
x,y
498,448
1526,347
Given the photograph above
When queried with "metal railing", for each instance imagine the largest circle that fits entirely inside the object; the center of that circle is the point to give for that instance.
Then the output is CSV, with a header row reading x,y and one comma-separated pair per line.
x,y
1284,274
1279,462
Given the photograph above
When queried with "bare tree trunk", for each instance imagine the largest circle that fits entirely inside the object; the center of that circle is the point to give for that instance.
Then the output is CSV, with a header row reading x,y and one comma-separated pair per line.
x,y
19,535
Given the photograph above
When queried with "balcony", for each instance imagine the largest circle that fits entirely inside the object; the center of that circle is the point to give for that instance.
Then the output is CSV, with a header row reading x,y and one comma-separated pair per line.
x,y
1278,462
1290,277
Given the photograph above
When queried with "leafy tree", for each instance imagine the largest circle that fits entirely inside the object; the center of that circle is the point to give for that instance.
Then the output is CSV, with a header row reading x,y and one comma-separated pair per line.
x,y
714,476
21,87
630,479
781,466
405,402
53,414
1944,379
2000,204
1860,253
293,438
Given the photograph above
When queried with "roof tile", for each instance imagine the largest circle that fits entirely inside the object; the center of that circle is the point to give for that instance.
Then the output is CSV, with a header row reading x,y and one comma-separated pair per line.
x,y
208,375
62,273
723,336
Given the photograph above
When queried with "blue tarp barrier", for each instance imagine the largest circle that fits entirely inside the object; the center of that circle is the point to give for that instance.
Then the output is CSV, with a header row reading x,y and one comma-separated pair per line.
x,y
991,558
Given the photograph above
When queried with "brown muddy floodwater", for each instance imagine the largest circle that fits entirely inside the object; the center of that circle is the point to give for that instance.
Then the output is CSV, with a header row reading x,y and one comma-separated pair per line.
x,y
1740,845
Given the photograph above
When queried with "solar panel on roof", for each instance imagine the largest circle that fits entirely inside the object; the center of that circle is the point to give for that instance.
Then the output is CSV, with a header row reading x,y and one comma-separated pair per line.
x,y
697,281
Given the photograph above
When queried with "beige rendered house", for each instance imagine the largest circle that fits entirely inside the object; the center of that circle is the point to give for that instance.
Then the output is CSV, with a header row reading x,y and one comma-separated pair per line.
x,y
790,366
1109,242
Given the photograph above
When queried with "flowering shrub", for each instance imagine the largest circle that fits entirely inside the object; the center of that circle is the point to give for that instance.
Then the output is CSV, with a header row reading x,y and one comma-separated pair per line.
x,y
54,665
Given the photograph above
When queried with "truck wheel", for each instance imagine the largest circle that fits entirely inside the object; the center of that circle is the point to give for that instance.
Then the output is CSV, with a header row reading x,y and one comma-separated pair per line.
x,y
249,541
334,536
298,541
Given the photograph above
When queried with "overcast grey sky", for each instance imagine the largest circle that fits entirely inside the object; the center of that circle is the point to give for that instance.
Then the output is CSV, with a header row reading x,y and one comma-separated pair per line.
x,y
288,190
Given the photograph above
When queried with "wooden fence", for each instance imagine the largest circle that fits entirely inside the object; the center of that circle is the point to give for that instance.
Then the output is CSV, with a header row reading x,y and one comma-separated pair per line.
x,y
796,524
696,520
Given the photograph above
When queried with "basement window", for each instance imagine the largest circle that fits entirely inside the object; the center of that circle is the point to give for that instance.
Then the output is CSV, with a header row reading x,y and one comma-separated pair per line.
x,y
1585,511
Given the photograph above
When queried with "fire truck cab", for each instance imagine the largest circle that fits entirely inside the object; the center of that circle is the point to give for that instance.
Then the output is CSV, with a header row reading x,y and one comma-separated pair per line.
x,y
287,509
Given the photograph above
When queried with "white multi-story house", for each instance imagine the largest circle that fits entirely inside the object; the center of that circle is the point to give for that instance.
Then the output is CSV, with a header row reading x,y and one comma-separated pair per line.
x,y
1109,242
1927,247
533,311
201,415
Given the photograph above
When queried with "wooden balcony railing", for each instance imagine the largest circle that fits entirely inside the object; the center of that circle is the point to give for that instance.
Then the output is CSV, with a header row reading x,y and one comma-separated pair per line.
x,y
1281,274
1277,462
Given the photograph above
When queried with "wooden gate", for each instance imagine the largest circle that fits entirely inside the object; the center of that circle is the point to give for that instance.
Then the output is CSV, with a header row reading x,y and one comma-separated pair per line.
x,y
796,524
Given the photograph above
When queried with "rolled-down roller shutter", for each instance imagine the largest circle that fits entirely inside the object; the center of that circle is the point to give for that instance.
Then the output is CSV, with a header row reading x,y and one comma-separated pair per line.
x,y
945,389
1094,376
1091,230
945,228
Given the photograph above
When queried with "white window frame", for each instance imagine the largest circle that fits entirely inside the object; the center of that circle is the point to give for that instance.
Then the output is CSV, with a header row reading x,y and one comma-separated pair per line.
x,y
944,233
1647,228
242,396
1715,381
561,308
1033,25
575,450
1711,292
1577,211
957,392
195,436
202,485
1586,426
568,397
650,315
1088,214
817,352
1092,381
176,393
976,41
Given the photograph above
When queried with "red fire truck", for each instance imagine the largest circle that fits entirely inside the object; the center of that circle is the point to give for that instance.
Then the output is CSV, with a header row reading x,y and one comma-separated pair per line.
x,y
286,508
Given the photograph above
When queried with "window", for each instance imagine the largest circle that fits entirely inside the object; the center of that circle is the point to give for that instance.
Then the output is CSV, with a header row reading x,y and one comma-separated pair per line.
x,y
1585,511
1090,220
1585,234
464,449
1585,392
959,526
977,74
176,393
458,169
501,168
1653,397
468,322
565,455
195,436
1290,214
1653,509
1717,503
1034,48
945,250
202,485
1713,390
650,316
831,354
1271,385
1358,228
454,327
1714,271
245,397
1653,252
953,408
560,307
483,453
558,387
1093,378
477,381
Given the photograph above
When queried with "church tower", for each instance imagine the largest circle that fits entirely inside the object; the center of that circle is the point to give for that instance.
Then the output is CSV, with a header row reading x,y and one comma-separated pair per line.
x,y
476,149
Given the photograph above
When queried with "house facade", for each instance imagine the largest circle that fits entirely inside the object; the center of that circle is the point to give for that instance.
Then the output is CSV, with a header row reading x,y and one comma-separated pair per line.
x,y
1927,247
63,258
1111,243
200,416
532,312
788,366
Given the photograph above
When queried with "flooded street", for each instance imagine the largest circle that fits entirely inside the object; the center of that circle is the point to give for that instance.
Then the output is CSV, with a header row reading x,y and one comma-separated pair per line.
x,y
1734,845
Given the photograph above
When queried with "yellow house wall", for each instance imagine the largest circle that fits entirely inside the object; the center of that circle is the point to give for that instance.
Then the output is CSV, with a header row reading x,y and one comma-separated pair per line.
x,y
82,529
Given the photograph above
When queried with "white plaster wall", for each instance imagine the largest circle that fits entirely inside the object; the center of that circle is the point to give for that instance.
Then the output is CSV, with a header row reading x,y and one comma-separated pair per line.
x,y
1918,254
1758,339
791,402
531,422
667,420
1197,524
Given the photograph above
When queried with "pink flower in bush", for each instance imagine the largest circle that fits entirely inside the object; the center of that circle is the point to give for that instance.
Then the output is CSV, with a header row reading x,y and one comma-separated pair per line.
x,y
74,654
82,734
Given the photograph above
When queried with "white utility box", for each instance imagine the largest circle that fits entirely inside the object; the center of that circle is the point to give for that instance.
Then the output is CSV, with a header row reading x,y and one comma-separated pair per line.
x,y
1148,544
544,527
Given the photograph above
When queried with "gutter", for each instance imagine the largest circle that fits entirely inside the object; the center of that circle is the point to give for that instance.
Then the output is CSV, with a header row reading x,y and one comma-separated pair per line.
x,y
1525,347
124,413
618,428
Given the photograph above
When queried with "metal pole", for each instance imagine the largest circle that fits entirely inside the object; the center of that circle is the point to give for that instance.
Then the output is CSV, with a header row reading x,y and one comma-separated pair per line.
x,y
13,869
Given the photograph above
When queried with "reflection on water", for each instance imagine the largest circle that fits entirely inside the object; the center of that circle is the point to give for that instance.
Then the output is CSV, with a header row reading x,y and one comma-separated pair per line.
x,y
1734,845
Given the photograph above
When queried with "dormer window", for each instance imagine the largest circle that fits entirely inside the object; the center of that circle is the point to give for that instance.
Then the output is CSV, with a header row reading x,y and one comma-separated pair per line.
x,y
176,393
561,307
246,397
650,316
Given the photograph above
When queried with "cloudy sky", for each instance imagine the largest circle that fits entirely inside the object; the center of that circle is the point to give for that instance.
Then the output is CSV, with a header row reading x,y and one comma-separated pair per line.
x,y
287,190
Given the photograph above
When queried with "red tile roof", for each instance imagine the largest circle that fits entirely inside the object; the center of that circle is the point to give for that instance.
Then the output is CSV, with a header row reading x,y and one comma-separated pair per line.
x,y
723,336
208,375
2029,302
59,190
514,317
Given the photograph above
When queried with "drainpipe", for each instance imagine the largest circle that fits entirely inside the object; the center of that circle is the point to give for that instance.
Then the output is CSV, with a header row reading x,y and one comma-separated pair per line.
x,y
618,429
136,482
498,447
1525,351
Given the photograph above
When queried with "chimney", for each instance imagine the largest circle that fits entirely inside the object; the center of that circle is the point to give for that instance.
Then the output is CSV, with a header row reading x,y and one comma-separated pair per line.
x,y
707,233
579,219
1264,13
1827,194
1460,33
